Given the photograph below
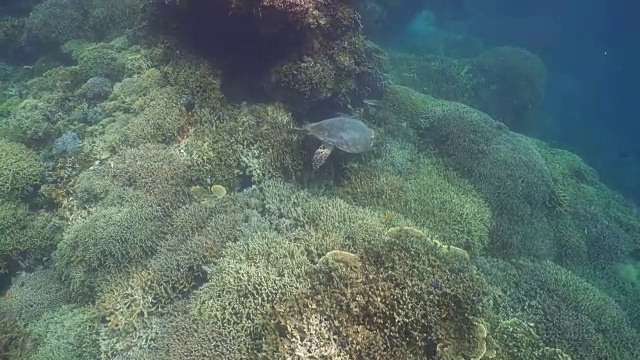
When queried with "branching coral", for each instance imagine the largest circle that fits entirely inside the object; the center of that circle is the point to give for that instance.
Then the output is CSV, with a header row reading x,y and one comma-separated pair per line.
x,y
54,22
33,294
301,280
512,87
506,82
21,169
504,167
157,170
67,333
569,313
425,192
255,142
114,237
373,310
26,237
15,340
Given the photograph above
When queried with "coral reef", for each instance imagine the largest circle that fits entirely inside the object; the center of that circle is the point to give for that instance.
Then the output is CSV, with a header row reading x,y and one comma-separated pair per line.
x,y
304,53
118,235
66,333
507,83
504,167
22,169
567,312
15,340
366,309
155,203
32,295
283,290
25,237
423,191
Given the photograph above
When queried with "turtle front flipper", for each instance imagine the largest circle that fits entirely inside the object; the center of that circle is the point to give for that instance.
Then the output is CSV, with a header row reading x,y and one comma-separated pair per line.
x,y
321,155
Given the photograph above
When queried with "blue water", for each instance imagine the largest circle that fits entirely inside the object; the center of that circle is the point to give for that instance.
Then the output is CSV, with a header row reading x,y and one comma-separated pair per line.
x,y
591,53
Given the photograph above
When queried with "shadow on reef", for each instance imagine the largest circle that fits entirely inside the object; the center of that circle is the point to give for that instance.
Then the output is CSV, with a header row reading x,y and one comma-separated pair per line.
x,y
234,43
311,56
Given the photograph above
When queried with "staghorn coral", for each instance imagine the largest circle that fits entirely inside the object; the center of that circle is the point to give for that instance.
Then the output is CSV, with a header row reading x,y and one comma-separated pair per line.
x,y
11,32
21,169
26,238
424,192
255,142
15,340
505,82
512,87
368,311
282,289
518,340
127,308
33,294
33,121
597,217
113,60
96,88
67,333
157,170
54,22
438,76
505,168
135,305
122,232
568,312
244,277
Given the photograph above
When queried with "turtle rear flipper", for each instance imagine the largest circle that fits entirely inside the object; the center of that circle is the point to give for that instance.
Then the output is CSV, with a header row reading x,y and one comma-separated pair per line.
x,y
321,155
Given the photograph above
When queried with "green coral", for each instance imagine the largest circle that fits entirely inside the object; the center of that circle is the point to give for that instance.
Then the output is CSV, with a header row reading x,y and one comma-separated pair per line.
x,y
132,301
113,60
391,285
157,170
122,232
569,313
256,142
505,82
15,340
513,85
33,294
32,121
23,233
252,275
54,22
518,340
592,209
439,76
505,168
21,169
425,192
67,333
281,288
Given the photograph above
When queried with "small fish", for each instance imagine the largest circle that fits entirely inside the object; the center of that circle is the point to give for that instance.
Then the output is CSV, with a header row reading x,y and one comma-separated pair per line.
x,y
437,285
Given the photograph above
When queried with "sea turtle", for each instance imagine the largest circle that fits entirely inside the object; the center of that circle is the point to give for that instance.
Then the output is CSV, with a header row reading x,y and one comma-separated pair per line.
x,y
345,133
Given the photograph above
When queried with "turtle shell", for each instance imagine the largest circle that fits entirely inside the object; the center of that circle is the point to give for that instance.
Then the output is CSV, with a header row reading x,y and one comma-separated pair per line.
x,y
345,133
